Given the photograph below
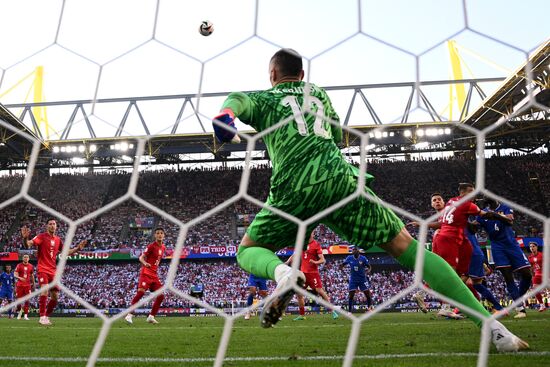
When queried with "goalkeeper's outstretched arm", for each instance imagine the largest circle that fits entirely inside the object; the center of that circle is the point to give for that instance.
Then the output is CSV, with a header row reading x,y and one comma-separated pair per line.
x,y
236,105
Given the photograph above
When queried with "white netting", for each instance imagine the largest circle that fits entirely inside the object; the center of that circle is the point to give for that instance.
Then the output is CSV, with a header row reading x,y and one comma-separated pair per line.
x,y
360,29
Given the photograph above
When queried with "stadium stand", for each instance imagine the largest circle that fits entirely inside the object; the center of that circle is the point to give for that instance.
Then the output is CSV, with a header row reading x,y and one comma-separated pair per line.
x,y
188,193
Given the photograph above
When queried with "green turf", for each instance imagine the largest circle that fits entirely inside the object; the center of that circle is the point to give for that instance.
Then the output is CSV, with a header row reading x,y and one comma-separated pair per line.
x,y
288,344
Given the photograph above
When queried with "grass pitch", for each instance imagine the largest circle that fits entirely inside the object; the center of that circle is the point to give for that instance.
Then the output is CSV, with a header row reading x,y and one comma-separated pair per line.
x,y
385,340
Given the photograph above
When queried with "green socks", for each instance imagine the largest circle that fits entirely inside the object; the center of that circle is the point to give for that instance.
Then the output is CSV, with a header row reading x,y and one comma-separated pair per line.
x,y
258,261
442,278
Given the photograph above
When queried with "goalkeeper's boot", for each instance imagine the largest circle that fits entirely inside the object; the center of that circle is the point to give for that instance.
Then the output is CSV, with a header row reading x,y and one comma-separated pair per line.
x,y
504,340
129,318
151,319
274,309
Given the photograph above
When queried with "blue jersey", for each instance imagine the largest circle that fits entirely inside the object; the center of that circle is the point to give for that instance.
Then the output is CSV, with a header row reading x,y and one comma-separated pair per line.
x,y
7,281
258,282
500,234
358,267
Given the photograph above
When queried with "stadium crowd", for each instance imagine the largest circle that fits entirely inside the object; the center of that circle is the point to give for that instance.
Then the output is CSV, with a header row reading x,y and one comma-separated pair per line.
x,y
187,194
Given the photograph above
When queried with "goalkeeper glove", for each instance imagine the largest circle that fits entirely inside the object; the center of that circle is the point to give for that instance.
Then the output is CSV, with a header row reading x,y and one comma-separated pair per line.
x,y
226,117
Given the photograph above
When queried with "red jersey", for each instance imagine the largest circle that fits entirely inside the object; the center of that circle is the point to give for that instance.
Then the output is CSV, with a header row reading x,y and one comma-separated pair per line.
x,y
24,271
536,263
311,253
454,219
153,254
48,248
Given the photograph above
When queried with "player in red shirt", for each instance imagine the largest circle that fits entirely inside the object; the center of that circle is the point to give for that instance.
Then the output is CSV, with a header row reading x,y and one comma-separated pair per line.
x,y
48,246
312,257
24,273
438,204
148,277
536,265
451,242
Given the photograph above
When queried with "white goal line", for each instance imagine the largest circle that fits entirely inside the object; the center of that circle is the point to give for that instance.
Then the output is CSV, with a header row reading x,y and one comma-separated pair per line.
x,y
259,359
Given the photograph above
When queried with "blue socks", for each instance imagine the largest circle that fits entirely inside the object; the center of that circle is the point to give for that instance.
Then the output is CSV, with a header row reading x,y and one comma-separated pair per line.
x,y
488,295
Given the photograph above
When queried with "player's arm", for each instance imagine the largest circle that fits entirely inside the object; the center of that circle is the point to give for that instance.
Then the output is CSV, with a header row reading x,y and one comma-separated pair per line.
x,y
237,104
16,275
25,234
320,261
33,282
143,262
432,225
344,263
78,248
496,216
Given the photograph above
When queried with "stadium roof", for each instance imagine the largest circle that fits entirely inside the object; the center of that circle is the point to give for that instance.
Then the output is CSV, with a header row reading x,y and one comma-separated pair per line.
x,y
526,124
521,105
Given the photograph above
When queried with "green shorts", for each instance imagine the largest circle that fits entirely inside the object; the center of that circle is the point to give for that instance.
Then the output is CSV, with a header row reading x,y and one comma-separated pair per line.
x,y
361,222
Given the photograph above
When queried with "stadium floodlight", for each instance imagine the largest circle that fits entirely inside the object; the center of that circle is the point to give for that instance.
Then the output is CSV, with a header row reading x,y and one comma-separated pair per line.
x,y
55,149
111,146
392,133
124,146
131,146
93,148
447,131
431,132
407,133
420,132
63,149
385,134
81,148
440,131
117,146
377,134
371,135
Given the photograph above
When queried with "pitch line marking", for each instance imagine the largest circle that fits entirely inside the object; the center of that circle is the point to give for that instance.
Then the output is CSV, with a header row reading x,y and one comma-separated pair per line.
x,y
259,359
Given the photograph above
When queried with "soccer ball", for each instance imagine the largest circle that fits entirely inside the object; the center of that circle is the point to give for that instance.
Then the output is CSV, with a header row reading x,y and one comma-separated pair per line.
x,y
206,28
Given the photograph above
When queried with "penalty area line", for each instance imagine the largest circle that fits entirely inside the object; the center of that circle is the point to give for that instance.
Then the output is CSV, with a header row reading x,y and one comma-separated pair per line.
x,y
259,359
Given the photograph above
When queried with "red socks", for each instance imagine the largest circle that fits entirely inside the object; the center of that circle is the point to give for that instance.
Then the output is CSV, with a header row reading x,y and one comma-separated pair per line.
x,y
42,300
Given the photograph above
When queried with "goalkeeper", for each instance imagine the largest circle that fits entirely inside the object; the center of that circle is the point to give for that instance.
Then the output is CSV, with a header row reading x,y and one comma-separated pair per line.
x,y
310,175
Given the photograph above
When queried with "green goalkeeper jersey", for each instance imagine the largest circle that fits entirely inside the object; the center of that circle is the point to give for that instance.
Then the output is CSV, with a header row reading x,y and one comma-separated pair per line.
x,y
303,151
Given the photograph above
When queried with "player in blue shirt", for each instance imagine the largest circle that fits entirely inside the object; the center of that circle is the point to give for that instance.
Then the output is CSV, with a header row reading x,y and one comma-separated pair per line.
x,y
256,285
507,254
359,266
478,268
7,280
